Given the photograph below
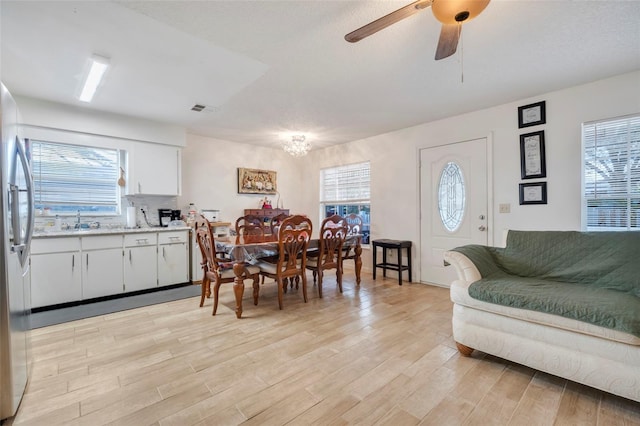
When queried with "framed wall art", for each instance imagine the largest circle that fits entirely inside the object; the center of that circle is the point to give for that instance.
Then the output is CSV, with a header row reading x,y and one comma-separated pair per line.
x,y
532,156
531,115
256,181
533,193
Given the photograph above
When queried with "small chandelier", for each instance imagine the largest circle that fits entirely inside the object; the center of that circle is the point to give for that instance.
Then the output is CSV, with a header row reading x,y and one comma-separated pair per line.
x,y
298,146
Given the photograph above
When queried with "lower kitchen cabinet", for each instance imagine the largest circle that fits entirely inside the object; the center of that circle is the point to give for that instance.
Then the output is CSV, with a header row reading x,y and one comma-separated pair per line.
x,y
55,271
72,269
173,257
102,266
140,261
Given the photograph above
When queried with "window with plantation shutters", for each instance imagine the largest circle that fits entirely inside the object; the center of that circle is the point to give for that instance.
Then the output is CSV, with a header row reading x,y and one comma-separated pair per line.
x,y
68,178
611,181
345,190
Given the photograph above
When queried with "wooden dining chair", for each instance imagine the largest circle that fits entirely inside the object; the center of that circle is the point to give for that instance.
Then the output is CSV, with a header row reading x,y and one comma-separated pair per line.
x,y
354,227
218,270
333,231
250,229
293,240
275,223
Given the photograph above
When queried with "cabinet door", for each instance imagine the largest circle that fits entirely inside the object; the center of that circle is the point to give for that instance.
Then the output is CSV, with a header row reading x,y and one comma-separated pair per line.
x,y
173,263
156,169
140,268
101,273
55,278
196,260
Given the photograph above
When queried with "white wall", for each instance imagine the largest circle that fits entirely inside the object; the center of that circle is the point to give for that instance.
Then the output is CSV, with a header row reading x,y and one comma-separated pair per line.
x,y
394,161
45,114
209,166
210,176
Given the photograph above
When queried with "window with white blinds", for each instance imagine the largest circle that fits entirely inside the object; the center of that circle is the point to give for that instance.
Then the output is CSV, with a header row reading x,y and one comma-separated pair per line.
x,y
346,183
611,197
68,178
345,190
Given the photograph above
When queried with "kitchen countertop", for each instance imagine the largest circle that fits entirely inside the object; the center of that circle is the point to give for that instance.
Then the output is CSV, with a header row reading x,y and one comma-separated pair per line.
x,y
105,231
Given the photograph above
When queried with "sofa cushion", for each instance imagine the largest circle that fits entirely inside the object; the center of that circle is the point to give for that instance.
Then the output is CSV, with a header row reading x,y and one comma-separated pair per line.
x,y
607,308
598,259
587,276
460,296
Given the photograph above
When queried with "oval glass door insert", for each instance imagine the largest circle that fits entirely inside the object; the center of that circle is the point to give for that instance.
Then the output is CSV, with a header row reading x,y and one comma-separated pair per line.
x,y
451,196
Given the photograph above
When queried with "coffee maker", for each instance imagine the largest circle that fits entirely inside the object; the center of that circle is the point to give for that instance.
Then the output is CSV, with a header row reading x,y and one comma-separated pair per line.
x,y
164,216
176,215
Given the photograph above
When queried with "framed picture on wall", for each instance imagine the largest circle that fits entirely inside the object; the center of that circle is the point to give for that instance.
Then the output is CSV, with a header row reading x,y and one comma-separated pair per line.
x,y
256,181
532,157
533,193
531,115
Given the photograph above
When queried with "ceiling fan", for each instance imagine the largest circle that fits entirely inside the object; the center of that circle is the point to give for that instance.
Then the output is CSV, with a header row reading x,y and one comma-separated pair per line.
x,y
451,13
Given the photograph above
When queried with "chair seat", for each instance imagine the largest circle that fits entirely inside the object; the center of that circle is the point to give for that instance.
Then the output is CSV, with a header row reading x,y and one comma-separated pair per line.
x,y
228,273
271,268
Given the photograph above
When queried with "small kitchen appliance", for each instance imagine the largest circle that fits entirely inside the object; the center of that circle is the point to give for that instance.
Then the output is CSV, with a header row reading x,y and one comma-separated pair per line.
x,y
176,214
211,215
165,216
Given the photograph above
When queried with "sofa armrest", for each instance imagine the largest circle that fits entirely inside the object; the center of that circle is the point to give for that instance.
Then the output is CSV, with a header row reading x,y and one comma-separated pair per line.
x,y
466,269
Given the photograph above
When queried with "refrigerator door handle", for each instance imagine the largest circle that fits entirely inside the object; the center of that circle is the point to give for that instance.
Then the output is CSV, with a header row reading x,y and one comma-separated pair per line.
x,y
20,246
14,193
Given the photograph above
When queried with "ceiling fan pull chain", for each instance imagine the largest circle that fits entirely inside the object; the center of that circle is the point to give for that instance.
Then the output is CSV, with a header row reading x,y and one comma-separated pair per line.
x,y
461,53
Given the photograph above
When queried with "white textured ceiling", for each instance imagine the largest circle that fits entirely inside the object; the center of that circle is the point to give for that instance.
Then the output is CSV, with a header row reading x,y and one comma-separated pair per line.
x,y
271,67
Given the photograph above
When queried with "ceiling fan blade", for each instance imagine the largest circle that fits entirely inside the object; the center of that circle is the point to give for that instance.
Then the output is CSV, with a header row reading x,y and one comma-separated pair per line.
x,y
385,21
448,41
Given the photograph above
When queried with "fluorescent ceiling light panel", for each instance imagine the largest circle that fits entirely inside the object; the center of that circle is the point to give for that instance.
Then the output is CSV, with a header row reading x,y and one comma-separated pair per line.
x,y
99,66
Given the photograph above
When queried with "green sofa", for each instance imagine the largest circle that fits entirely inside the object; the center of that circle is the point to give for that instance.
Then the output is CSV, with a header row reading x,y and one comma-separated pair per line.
x,y
567,303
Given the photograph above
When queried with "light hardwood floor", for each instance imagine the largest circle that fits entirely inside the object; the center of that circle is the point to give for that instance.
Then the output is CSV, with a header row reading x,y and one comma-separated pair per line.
x,y
377,354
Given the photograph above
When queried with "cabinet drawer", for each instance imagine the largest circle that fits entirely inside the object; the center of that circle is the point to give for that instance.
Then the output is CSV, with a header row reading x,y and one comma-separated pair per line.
x,y
101,242
173,237
143,239
54,245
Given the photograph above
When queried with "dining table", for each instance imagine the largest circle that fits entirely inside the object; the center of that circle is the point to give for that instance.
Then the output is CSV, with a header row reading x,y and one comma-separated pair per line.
x,y
241,255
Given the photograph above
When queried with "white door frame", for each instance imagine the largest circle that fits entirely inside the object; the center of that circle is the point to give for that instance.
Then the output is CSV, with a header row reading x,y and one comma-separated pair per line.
x,y
490,217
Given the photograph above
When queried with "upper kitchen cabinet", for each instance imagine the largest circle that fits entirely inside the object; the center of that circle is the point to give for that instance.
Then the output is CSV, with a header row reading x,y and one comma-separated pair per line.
x,y
154,169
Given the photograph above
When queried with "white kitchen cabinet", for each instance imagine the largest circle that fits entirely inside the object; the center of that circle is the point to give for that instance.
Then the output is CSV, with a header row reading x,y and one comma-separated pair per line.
x,y
173,257
102,266
71,269
156,170
196,260
55,271
140,261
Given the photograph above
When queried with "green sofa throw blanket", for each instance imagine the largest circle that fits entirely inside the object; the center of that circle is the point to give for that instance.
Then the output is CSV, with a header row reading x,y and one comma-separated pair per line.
x,y
587,276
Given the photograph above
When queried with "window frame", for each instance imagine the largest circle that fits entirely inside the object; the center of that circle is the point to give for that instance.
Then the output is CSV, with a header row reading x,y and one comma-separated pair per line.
x,y
611,192
347,201
114,196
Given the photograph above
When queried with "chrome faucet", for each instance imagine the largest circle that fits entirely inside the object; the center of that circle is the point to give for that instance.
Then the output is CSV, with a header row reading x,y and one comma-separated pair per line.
x,y
78,220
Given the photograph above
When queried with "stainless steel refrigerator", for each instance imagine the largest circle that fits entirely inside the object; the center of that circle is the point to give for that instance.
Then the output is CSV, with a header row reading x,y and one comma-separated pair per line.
x,y
16,228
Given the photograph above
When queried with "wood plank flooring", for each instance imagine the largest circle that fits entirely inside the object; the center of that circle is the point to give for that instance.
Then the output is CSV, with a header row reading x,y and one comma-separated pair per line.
x,y
376,354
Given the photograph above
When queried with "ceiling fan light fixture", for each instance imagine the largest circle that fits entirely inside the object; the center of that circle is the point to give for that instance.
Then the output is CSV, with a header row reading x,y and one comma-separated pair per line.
x,y
462,16
298,146
456,11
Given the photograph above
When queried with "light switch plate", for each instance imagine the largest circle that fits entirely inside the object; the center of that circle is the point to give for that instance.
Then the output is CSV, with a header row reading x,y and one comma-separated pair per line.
x,y
505,208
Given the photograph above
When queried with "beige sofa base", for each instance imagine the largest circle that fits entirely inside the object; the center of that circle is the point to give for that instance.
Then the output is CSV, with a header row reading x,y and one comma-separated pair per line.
x,y
573,356
605,359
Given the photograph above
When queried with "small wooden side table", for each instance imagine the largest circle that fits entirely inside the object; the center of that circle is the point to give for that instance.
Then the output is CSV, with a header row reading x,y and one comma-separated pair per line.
x,y
391,244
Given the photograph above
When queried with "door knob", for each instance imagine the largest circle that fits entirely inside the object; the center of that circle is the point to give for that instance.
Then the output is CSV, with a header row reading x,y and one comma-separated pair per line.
x,y
482,228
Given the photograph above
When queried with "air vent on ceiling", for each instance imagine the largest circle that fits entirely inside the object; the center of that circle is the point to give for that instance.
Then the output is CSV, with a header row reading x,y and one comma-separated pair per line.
x,y
203,108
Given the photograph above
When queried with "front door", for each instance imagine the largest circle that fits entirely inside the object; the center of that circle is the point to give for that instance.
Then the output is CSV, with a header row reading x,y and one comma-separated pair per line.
x,y
453,204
